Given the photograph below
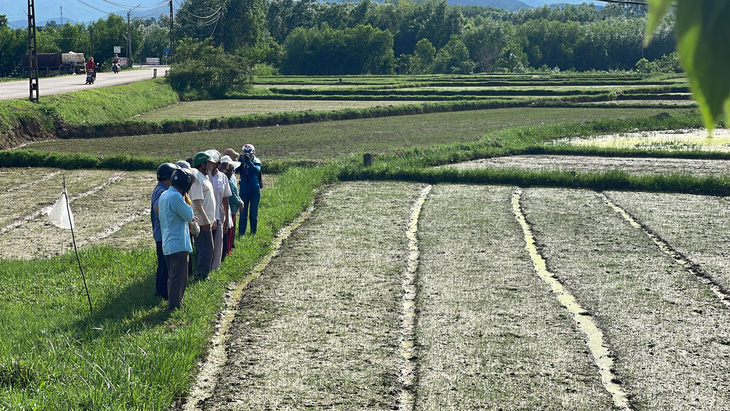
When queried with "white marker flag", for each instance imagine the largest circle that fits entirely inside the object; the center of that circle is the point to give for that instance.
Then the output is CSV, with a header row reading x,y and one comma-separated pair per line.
x,y
60,215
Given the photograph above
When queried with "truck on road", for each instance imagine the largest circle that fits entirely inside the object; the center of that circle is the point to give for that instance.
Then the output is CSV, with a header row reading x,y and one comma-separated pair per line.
x,y
64,63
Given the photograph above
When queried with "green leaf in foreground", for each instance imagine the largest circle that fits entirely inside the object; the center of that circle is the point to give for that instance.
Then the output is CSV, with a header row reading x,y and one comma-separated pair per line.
x,y
702,31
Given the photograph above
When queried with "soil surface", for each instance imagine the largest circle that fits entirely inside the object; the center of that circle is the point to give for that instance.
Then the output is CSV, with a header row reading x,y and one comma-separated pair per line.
x,y
636,166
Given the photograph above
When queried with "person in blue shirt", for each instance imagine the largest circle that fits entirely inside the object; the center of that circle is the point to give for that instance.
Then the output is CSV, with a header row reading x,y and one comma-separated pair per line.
x,y
175,215
251,184
164,173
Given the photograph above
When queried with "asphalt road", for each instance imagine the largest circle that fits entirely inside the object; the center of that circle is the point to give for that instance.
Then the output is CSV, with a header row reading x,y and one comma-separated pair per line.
x,y
67,83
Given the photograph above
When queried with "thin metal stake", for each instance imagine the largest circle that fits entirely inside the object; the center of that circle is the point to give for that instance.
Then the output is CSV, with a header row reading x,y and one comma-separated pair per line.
x,y
76,251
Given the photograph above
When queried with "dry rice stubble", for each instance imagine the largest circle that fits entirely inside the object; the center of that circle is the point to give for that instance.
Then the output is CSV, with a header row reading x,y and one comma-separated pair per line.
x,y
666,351
320,327
696,226
97,197
490,332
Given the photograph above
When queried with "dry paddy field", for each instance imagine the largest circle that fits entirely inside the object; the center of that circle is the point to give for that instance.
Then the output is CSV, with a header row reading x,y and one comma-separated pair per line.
x,y
408,296
397,295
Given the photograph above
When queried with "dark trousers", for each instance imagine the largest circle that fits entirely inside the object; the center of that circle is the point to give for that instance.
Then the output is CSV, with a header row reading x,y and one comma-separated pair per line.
x,y
177,278
251,199
228,238
161,283
203,254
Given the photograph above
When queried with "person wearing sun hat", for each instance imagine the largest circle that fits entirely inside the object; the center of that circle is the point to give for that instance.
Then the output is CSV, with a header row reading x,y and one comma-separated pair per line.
x,y
201,193
221,190
164,173
233,155
175,216
227,167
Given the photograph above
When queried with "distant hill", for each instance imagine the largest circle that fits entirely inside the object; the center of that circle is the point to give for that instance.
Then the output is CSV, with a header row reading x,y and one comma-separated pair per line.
x,y
76,11
511,5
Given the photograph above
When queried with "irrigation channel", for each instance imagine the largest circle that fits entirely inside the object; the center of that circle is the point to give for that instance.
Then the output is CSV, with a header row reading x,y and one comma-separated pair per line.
x,y
408,296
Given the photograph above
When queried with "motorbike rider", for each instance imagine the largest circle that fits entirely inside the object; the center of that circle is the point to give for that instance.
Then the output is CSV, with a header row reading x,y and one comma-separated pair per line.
x,y
91,66
115,63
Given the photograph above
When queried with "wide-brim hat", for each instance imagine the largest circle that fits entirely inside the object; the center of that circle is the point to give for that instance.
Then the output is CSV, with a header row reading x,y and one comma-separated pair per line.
x,y
231,153
227,159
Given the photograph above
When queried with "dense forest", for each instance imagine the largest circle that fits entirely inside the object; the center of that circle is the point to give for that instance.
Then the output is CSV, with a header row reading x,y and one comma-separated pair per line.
x,y
404,37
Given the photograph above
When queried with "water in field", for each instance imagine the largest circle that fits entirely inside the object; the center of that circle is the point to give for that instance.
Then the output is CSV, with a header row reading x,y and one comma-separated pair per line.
x,y
684,140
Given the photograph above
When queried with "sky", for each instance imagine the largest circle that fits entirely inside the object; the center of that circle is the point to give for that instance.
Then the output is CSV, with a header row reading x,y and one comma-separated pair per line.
x,y
87,11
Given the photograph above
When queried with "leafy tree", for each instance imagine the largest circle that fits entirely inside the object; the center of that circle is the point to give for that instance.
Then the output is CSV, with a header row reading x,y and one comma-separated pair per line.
x,y
453,58
109,33
702,30
156,38
200,19
13,45
243,24
424,57
324,50
205,71
486,43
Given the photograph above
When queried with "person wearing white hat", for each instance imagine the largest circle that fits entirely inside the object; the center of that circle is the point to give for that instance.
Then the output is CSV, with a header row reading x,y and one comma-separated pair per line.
x,y
221,191
228,167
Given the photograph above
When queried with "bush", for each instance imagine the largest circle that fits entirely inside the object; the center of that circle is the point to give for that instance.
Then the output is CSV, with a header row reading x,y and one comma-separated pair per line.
x,y
205,72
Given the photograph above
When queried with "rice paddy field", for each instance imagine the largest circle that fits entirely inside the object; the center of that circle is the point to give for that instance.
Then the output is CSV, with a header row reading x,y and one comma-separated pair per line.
x,y
379,293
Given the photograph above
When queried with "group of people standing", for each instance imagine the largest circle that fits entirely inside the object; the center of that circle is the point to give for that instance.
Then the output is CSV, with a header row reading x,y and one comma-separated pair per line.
x,y
194,207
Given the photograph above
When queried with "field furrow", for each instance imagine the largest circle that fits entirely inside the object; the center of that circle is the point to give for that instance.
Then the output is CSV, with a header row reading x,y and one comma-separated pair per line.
x,y
490,332
27,194
100,211
668,331
321,327
695,226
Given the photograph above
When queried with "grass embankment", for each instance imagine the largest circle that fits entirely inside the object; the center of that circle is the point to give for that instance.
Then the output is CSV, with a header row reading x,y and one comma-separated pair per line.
x,y
429,138
22,121
129,353
668,333
454,94
417,164
489,330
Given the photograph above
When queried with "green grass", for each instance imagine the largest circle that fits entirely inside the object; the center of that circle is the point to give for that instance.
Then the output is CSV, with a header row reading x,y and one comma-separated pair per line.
x,y
329,140
207,109
130,353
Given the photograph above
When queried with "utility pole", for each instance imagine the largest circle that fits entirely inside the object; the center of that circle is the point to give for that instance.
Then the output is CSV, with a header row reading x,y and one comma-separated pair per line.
x,y
172,36
32,53
62,15
129,40
129,35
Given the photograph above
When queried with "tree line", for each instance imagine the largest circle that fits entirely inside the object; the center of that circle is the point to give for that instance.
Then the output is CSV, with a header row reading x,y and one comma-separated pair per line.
x,y
309,37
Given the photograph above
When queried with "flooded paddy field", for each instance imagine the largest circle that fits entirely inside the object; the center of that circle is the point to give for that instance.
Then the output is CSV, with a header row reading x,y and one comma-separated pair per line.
x,y
699,139
594,164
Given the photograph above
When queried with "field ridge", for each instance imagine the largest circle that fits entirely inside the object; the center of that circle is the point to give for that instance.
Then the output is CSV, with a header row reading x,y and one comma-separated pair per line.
x,y
589,327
